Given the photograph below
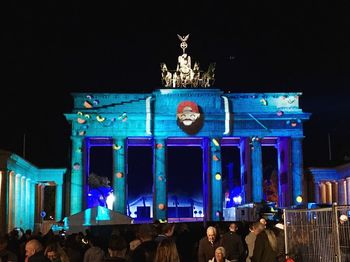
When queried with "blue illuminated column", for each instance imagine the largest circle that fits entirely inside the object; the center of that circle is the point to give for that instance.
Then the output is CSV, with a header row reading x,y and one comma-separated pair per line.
x,y
12,201
284,172
246,171
58,211
297,167
206,176
119,186
216,180
159,181
27,204
257,174
17,201
23,203
76,192
32,204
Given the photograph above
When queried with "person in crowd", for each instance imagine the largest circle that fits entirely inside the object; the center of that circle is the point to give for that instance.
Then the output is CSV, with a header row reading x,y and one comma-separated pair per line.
x,y
254,229
207,245
232,242
167,231
219,255
263,221
73,249
55,253
265,248
186,243
279,233
145,252
35,252
117,249
167,251
94,253
5,254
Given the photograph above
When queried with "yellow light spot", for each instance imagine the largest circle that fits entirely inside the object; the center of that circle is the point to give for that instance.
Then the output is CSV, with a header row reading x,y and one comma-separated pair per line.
x,y
299,199
215,142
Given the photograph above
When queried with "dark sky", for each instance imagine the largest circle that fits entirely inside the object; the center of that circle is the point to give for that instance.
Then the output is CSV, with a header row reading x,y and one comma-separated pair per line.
x,y
54,48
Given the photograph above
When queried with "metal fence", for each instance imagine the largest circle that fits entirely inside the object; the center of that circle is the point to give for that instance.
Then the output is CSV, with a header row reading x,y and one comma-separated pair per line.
x,y
318,234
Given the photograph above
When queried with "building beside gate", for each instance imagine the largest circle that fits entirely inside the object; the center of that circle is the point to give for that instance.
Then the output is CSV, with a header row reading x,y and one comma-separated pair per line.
x,y
22,193
332,184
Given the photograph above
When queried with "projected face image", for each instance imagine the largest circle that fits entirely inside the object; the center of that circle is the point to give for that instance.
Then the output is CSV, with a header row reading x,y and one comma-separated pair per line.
x,y
189,118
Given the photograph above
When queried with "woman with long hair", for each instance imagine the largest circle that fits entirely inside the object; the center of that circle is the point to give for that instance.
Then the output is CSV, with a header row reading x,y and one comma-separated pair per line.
x,y
167,251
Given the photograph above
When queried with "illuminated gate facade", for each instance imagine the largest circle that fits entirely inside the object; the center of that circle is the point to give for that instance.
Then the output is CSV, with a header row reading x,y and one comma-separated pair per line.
x,y
202,117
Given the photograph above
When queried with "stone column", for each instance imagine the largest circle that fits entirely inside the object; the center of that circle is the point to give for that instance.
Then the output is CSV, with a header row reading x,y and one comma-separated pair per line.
x,y
334,191
27,204
159,181
17,206
323,193
32,204
348,190
76,192
284,172
329,192
11,201
58,202
207,189
119,180
257,173
297,167
3,204
246,170
216,180
22,214
317,192
342,197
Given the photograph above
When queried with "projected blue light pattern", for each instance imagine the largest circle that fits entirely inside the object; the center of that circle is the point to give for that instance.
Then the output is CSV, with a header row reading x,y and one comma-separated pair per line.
x,y
248,121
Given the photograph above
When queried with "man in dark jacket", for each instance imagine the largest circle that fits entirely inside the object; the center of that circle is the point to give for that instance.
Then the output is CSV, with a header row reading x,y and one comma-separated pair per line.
x,y
207,245
233,244
265,248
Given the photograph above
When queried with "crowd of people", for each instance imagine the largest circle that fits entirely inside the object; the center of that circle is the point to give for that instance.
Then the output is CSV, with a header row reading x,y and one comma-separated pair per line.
x,y
158,242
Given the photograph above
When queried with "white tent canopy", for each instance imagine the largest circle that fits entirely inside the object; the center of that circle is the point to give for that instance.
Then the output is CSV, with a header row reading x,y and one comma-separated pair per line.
x,y
92,217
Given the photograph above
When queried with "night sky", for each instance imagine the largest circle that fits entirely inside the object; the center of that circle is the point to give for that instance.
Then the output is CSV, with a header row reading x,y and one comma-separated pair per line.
x,y
52,49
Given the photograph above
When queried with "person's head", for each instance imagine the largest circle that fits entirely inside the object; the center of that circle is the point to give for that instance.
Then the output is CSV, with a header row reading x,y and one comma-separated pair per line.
x,y
263,221
220,254
117,246
343,219
211,233
33,246
145,232
233,227
258,227
167,251
52,252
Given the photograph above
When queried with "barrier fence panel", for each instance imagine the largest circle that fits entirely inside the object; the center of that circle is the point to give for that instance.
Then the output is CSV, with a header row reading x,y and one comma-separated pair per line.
x,y
317,234
343,214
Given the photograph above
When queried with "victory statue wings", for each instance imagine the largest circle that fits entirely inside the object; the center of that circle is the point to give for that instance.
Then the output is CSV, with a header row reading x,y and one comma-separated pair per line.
x,y
183,38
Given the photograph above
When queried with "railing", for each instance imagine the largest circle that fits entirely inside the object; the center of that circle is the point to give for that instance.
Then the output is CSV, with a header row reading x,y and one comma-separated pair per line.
x,y
318,234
